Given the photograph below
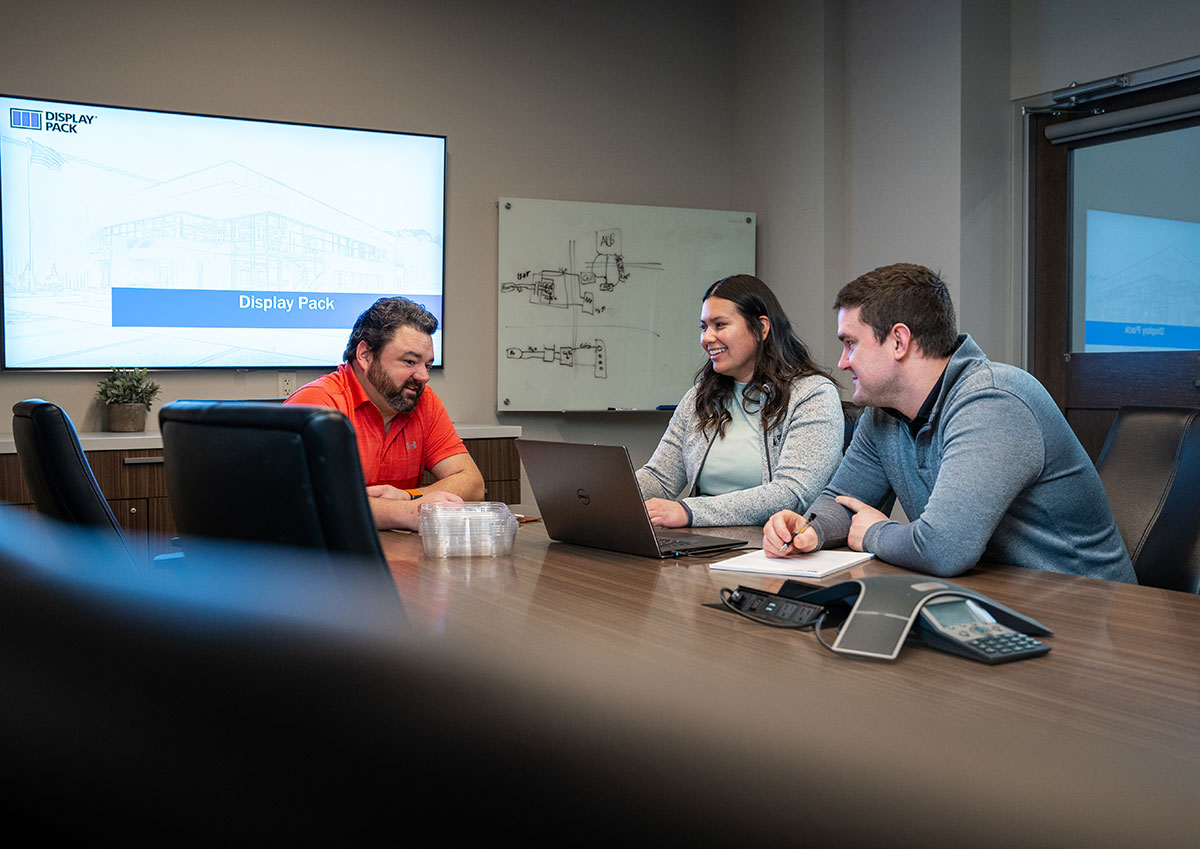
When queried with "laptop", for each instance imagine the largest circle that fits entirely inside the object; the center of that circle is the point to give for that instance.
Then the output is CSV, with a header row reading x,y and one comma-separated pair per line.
x,y
589,496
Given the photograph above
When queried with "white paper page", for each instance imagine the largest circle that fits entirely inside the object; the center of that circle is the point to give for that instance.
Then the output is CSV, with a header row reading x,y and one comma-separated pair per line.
x,y
816,564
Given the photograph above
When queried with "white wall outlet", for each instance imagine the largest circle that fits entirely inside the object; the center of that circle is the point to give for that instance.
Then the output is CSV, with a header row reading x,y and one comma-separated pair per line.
x,y
287,383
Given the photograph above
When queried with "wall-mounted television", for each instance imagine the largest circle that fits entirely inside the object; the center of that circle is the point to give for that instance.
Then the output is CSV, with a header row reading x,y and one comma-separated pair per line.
x,y
137,237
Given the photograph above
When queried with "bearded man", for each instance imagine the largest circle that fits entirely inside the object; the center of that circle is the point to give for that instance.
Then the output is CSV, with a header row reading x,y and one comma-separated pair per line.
x,y
401,426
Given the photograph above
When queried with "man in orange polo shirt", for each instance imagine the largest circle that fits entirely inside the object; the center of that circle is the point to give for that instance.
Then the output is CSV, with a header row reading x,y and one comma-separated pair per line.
x,y
401,426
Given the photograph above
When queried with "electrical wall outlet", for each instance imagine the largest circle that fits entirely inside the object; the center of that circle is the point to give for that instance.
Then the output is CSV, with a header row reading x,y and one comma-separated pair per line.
x,y
287,383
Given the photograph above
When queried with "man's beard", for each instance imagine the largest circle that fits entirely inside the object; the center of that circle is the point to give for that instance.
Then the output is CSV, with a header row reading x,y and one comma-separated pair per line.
x,y
393,395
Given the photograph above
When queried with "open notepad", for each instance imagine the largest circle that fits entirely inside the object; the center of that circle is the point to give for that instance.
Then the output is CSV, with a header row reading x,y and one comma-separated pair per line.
x,y
816,564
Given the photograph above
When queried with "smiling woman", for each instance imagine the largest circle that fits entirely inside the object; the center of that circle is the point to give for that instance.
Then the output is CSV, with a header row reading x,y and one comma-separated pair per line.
x,y
730,340
762,426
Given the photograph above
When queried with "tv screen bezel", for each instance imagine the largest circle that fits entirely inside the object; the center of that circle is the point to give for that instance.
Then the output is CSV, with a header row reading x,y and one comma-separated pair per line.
x,y
247,368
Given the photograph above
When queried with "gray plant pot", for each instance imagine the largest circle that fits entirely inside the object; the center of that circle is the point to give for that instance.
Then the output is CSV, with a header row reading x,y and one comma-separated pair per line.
x,y
126,418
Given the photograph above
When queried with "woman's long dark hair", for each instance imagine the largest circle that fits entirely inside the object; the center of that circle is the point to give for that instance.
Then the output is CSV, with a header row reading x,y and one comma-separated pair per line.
x,y
779,359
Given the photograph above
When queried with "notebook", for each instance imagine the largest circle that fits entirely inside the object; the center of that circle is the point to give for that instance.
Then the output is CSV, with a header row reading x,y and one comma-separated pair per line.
x,y
589,496
816,564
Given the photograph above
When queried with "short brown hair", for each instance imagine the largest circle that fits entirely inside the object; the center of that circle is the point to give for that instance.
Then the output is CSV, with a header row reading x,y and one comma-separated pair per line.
x,y
378,323
904,294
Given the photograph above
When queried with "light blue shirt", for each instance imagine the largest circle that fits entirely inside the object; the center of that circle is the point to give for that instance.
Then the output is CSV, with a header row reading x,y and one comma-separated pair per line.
x,y
734,461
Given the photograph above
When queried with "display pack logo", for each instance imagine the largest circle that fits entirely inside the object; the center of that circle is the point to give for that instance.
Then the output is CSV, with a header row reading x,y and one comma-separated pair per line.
x,y
53,122
25,119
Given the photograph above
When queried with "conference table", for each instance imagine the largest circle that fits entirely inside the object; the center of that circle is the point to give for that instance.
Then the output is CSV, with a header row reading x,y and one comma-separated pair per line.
x,y
1096,743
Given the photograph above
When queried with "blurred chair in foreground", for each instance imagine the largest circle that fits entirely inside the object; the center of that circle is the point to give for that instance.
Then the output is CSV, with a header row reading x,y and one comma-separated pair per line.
x,y
249,686
258,696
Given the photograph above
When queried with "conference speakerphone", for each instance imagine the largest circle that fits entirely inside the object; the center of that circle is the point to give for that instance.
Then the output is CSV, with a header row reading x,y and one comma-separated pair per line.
x,y
880,613
885,608
961,626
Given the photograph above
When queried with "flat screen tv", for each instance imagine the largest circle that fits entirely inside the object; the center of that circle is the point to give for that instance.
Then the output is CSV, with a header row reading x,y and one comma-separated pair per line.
x,y
136,237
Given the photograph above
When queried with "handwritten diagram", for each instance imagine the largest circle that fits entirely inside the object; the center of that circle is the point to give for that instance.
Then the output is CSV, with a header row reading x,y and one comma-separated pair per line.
x,y
566,355
576,291
598,303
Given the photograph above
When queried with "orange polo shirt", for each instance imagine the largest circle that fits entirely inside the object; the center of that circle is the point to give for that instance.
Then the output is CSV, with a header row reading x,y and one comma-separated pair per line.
x,y
416,441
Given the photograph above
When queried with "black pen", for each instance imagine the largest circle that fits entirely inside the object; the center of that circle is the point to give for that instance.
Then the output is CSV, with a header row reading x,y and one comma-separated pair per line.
x,y
808,520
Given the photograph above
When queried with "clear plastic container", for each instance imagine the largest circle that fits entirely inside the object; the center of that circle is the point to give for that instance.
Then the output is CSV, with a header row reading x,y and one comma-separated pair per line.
x,y
467,529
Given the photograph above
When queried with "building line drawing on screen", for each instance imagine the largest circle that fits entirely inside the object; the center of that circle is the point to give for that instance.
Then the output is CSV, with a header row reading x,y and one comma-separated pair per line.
x,y
565,288
1142,283
172,240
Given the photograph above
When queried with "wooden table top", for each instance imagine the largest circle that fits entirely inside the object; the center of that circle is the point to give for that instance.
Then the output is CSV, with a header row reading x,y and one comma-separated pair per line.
x,y
1111,717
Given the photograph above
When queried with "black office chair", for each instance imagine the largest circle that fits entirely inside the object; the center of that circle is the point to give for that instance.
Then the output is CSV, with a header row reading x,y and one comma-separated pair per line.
x,y
57,472
254,688
261,472
232,698
850,414
1150,466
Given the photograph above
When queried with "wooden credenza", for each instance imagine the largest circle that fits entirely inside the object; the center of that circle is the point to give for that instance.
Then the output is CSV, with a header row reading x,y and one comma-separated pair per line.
x,y
129,470
494,450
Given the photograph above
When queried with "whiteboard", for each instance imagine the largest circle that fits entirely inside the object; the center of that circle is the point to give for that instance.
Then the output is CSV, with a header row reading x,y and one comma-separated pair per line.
x,y
599,304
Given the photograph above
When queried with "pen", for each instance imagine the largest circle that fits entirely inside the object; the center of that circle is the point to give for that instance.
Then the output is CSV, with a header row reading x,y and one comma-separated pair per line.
x,y
807,520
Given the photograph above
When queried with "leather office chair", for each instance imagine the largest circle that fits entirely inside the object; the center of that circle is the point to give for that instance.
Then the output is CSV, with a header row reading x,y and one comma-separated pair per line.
x,y
57,472
850,414
262,472
246,689
1150,466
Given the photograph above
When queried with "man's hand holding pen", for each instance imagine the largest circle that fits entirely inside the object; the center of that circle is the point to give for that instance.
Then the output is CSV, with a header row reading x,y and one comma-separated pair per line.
x,y
787,532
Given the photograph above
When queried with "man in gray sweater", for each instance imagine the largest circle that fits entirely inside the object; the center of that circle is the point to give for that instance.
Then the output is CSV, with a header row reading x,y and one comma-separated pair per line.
x,y
977,452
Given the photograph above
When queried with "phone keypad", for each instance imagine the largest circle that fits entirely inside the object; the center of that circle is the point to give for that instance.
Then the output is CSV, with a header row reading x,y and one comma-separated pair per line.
x,y
1008,643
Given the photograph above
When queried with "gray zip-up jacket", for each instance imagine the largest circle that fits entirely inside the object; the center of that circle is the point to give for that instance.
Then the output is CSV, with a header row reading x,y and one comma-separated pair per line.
x,y
996,474
798,459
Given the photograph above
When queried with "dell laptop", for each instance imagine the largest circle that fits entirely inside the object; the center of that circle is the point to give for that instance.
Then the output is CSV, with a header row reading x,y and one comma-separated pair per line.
x,y
589,496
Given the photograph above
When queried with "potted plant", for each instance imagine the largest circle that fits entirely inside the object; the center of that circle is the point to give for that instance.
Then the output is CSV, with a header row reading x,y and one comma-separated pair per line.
x,y
127,393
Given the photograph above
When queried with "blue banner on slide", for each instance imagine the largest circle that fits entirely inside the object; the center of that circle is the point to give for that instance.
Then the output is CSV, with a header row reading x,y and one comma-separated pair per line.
x,y
239,308
1134,334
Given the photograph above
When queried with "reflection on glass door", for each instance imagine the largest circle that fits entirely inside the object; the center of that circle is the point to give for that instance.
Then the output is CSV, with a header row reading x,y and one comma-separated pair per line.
x,y
1135,247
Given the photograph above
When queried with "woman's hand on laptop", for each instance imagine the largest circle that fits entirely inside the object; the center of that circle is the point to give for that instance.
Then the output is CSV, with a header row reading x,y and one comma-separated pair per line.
x,y
666,514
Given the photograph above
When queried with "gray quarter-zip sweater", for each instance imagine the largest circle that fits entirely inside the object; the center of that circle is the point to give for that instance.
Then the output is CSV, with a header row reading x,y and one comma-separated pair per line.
x,y
798,459
996,474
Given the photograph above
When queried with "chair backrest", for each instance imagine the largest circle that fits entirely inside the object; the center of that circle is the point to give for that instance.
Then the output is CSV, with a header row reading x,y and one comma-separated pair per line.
x,y
56,470
168,684
260,472
1150,466
850,414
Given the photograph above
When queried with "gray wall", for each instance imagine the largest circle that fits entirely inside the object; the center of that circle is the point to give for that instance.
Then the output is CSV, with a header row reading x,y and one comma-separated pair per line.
x,y
1057,42
624,103
862,132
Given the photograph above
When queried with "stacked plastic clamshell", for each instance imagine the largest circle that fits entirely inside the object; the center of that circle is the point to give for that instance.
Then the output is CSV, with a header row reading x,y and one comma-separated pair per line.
x,y
467,529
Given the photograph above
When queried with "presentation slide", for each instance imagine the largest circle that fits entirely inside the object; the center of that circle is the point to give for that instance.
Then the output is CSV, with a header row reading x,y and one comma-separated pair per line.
x,y
1143,283
143,238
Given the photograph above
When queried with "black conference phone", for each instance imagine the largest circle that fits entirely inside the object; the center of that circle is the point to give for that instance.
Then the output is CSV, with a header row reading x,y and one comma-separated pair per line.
x,y
879,613
963,626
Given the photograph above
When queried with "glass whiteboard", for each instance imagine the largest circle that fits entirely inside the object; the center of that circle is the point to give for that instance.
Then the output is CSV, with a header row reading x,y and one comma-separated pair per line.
x,y
599,304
